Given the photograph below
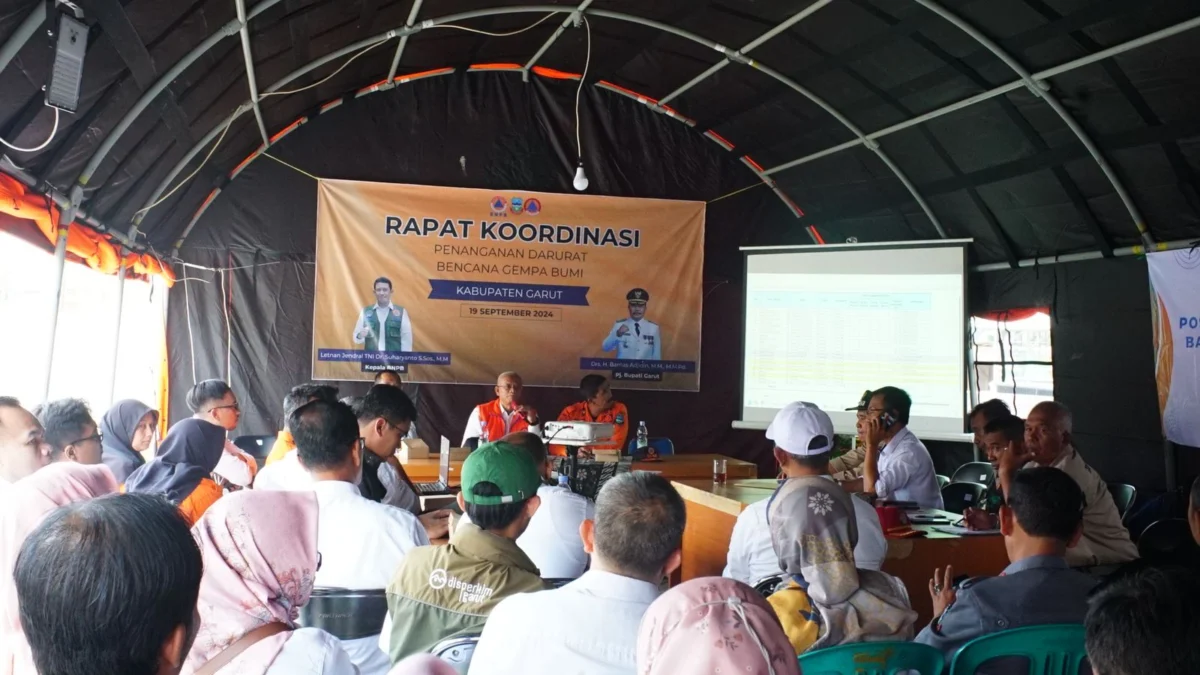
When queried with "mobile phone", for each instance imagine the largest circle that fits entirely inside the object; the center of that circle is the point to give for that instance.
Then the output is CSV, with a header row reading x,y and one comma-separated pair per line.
x,y
887,420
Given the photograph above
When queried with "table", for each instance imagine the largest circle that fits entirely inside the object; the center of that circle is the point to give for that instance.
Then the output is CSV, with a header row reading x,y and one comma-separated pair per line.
x,y
713,509
672,467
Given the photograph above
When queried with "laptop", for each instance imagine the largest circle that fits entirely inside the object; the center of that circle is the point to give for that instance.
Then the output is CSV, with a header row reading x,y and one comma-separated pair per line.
x,y
442,486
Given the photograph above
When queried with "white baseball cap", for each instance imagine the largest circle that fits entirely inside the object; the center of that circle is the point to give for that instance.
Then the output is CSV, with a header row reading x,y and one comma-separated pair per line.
x,y
797,425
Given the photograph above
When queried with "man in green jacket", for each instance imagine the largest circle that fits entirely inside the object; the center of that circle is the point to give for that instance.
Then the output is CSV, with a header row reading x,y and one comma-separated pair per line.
x,y
441,592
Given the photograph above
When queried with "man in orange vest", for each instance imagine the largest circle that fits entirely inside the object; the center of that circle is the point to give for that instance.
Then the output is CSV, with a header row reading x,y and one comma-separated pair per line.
x,y
503,416
597,406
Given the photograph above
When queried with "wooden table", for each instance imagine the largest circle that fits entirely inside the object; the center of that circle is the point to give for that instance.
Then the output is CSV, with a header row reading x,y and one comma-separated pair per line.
x,y
713,509
672,467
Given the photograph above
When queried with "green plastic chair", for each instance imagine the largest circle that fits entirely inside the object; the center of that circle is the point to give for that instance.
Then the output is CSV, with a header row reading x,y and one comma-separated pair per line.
x,y
1051,650
873,658
943,481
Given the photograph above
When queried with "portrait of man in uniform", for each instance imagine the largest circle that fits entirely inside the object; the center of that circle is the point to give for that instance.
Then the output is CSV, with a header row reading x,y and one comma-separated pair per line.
x,y
382,326
635,337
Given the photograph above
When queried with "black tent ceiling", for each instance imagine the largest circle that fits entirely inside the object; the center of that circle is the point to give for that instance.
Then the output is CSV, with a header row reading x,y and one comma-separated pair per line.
x,y
1037,127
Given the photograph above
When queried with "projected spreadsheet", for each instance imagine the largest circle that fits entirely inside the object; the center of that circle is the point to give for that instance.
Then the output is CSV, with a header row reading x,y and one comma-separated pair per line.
x,y
825,338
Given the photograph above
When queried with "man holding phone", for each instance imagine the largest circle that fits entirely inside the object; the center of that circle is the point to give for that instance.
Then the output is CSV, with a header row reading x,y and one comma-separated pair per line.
x,y
897,465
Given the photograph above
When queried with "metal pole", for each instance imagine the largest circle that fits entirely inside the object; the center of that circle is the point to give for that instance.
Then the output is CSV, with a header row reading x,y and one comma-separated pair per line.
x,y
1041,89
1092,255
33,20
251,82
573,17
753,44
412,16
112,379
60,263
1067,67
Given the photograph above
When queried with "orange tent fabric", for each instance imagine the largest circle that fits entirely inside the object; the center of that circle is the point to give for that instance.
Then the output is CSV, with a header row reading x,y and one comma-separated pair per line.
x,y
83,242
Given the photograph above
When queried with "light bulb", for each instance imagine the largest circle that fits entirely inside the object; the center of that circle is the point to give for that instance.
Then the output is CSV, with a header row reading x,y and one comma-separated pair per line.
x,y
581,181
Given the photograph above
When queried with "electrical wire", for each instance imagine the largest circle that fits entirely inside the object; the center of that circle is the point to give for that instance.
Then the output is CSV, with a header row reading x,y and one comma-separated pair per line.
x,y
53,132
587,62
484,32
192,174
328,77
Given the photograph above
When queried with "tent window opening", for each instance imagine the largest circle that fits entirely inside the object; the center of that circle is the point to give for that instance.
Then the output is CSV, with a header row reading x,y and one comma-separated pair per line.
x,y
1012,358
85,341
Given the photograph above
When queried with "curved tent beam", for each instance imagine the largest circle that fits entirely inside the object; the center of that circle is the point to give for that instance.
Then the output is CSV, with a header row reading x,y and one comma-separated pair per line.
x,y
541,9
1041,89
763,68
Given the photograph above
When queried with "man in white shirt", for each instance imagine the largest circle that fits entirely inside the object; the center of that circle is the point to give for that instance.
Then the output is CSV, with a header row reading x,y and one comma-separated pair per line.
x,y
383,418
552,540
591,624
23,446
361,542
897,466
1048,442
383,327
506,414
804,439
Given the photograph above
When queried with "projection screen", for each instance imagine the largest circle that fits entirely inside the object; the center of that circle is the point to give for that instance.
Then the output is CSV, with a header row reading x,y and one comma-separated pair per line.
x,y
825,323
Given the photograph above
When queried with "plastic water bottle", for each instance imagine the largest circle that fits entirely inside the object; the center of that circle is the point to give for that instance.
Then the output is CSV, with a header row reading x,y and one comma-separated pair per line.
x,y
643,437
564,481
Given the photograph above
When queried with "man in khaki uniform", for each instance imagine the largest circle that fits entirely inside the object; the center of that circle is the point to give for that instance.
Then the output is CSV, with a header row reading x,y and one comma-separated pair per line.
x,y
850,465
1048,443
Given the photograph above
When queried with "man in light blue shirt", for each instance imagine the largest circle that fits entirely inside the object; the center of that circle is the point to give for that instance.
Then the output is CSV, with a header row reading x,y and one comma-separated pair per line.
x,y
897,465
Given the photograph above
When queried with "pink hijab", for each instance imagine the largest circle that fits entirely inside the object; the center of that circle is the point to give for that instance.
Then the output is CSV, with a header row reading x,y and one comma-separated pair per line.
x,y
713,625
23,506
260,559
423,664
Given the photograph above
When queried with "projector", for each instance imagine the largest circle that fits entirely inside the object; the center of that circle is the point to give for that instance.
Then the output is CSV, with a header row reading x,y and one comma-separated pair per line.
x,y
577,433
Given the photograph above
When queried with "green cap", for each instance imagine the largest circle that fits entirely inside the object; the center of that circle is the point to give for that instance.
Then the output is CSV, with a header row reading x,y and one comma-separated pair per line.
x,y
507,467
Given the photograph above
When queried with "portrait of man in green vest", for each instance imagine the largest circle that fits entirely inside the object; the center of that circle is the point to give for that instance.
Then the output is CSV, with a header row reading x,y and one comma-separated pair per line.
x,y
382,326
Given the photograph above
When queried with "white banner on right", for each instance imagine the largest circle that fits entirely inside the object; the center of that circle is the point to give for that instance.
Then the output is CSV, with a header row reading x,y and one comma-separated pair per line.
x,y
1175,285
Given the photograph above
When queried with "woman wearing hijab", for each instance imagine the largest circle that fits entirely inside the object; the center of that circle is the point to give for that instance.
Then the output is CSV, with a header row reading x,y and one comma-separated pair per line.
x,y
713,625
182,469
22,508
828,601
127,430
260,559
423,664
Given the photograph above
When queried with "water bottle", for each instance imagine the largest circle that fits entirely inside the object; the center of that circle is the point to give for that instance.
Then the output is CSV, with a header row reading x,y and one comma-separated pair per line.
x,y
643,437
564,481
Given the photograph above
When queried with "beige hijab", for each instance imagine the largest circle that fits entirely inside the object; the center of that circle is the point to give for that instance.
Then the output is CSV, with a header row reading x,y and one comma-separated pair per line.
x,y
814,531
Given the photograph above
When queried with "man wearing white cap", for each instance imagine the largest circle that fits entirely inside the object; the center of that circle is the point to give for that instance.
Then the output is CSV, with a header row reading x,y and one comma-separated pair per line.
x,y
804,440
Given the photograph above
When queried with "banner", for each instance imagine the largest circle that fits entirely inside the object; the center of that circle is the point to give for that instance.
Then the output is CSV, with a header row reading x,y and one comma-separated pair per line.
x,y
1174,281
459,285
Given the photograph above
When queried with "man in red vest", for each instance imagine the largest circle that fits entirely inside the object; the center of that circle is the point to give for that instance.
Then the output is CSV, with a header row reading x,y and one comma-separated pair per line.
x,y
503,416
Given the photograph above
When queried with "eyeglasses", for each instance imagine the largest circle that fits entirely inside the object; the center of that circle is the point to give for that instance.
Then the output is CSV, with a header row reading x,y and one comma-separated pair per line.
x,y
234,406
98,437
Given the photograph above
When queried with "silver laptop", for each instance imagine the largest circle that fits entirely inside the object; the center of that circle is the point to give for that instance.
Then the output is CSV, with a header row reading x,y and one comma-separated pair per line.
x,y
442,486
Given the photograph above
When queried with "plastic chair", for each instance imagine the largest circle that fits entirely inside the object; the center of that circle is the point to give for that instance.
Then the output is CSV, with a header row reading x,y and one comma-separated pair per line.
x,y
1124,496
1052,650
943,481
975,472
958,497
345,614
663,446
873,658
1165,538
457,652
